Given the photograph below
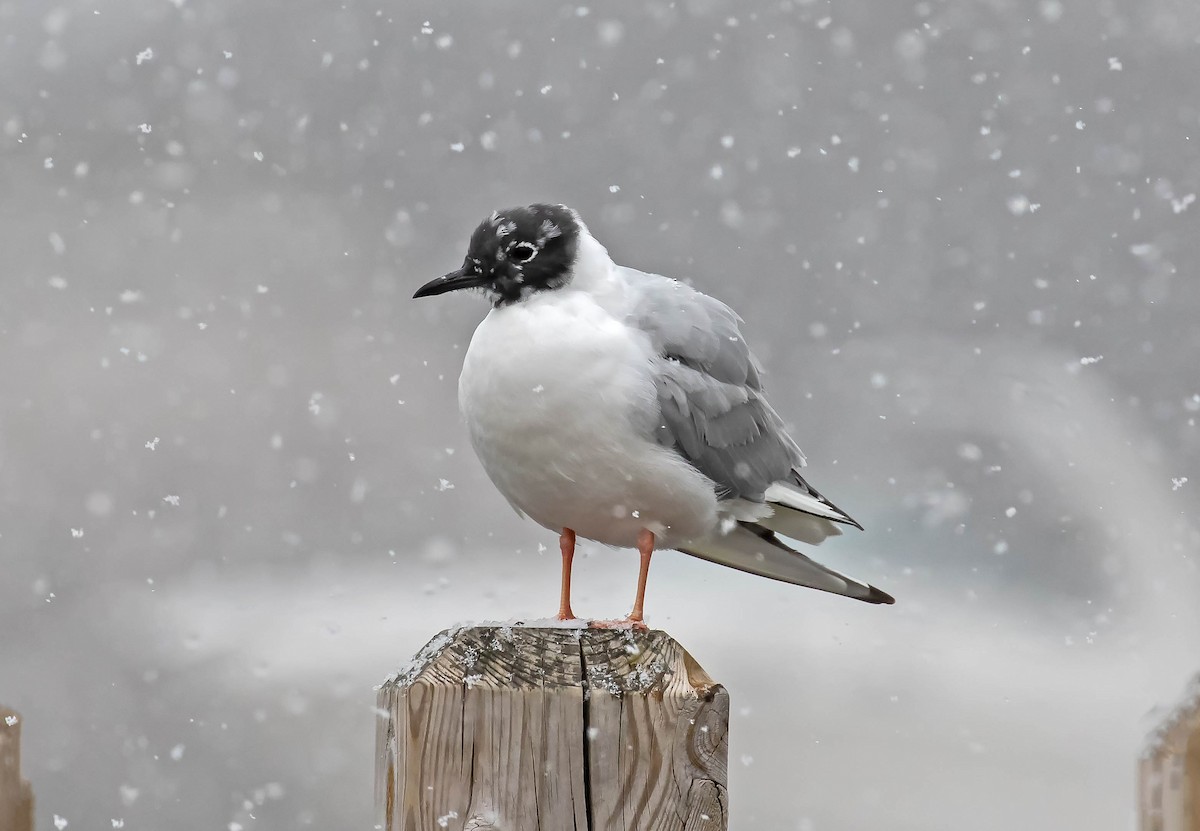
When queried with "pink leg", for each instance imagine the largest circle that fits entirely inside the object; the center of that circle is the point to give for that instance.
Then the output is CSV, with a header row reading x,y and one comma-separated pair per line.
x,y
646,549
566,543
635,619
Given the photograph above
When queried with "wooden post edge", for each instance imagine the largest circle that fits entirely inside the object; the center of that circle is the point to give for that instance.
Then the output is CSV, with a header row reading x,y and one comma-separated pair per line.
x,y
546,729
16,797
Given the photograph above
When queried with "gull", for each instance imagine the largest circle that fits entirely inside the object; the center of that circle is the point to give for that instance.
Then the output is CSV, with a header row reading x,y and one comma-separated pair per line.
x,y
626,408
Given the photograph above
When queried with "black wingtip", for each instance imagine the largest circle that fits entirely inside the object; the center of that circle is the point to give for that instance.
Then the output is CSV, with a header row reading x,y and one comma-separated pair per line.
x,y
844,519
878,596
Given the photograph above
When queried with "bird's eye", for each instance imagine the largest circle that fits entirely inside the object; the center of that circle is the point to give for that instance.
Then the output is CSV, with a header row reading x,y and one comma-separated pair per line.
x,y
522,252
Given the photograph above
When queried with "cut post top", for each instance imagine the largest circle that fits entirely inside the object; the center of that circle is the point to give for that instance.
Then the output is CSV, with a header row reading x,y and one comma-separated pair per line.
x,y
541,729
512,657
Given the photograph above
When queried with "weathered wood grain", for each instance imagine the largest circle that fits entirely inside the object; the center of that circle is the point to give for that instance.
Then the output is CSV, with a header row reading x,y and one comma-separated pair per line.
x,y
16,799
537,729
1169,769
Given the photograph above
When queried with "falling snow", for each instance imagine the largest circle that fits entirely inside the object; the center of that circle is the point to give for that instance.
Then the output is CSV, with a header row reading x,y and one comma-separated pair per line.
x,y
963,245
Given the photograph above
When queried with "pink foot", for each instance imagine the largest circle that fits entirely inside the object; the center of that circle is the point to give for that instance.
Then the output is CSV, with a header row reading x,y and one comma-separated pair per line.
x,y
624,623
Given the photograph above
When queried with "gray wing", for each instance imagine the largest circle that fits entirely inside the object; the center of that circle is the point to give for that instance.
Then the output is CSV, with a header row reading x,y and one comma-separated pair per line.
x,y
728,431
710,390
713,413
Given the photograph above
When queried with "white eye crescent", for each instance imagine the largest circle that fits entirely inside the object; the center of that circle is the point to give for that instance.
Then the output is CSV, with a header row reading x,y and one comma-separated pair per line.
x,y
522,252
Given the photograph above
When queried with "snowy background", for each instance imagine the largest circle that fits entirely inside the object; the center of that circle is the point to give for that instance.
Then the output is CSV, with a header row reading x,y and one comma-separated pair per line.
x,y
234,492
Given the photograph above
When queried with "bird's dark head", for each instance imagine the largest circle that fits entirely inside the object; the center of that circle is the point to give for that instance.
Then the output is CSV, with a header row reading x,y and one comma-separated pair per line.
x,y
516,252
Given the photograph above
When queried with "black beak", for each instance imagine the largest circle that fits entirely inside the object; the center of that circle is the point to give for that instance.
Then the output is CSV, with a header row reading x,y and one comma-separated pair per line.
x,y
455,280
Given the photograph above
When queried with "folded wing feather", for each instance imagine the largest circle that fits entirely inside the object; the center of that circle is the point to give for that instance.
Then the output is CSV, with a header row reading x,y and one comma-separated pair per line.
x,y
714,414
748,549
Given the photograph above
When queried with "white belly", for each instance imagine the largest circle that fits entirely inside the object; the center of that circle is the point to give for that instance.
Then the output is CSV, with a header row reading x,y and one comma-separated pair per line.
x,y
562,414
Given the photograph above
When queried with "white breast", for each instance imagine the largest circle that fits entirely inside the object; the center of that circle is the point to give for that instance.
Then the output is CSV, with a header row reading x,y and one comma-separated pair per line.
x,y
562,411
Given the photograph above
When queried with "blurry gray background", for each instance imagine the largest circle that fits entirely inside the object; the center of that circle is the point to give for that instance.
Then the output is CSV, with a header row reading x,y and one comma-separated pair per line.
x,y
235,493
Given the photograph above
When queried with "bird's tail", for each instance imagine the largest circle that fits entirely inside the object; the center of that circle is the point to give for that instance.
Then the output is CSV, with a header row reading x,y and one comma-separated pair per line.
x,y
757,550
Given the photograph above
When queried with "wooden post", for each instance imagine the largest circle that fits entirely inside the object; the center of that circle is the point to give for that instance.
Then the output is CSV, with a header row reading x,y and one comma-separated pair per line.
x,y
1169,769
16,800
547,729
